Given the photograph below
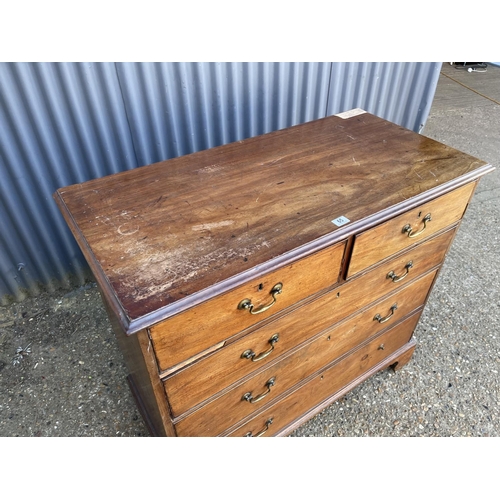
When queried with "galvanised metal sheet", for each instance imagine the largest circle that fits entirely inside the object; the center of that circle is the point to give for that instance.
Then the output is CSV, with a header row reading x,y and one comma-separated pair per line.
x,y
59,124
179,108
64,123
399,92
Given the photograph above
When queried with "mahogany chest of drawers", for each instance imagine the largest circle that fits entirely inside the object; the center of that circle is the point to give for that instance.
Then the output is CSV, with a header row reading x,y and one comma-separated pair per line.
x,y
253,284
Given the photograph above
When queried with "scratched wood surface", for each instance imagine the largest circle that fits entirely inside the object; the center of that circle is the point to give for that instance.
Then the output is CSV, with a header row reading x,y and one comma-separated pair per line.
x,y
158,234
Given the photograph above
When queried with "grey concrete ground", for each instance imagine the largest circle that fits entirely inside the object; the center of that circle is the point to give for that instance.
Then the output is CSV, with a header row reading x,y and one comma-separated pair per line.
x,y
72,382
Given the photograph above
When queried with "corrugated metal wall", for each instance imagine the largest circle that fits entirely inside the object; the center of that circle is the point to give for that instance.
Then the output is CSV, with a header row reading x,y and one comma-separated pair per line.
x,y
176,109
63,123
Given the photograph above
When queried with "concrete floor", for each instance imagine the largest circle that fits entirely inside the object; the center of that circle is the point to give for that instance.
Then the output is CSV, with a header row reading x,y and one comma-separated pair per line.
x,y
72,383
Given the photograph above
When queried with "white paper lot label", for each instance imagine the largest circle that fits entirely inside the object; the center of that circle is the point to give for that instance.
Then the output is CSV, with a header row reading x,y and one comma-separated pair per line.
x,y
340,221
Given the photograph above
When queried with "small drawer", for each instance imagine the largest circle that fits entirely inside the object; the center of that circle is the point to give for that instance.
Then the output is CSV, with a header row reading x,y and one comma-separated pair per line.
x,y
191,332
333,379
288,371
193,384
409,228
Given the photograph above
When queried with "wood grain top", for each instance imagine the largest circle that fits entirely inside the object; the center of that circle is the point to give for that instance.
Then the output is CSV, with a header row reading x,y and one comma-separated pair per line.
x,y
163,237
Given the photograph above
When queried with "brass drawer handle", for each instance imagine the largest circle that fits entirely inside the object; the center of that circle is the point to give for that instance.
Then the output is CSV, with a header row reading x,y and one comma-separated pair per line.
x,y
249,354
388,317
247,303
269,421
255,399
392,275
408,229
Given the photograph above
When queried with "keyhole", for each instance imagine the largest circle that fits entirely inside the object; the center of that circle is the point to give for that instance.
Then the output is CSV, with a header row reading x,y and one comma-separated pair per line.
x,y
419,214
261,286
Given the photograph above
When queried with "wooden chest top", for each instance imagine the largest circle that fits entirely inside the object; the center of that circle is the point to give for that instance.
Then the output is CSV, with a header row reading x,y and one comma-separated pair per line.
x,y
167,236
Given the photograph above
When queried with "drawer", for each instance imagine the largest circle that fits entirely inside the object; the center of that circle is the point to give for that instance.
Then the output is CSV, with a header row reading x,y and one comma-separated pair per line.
x,y
288,371
328,382
193,384
407,229
193,331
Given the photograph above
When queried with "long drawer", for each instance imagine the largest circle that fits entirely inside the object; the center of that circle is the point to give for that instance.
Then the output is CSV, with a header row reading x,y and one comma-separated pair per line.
x,y
193,384
409,228
212,322
277,378
327,382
